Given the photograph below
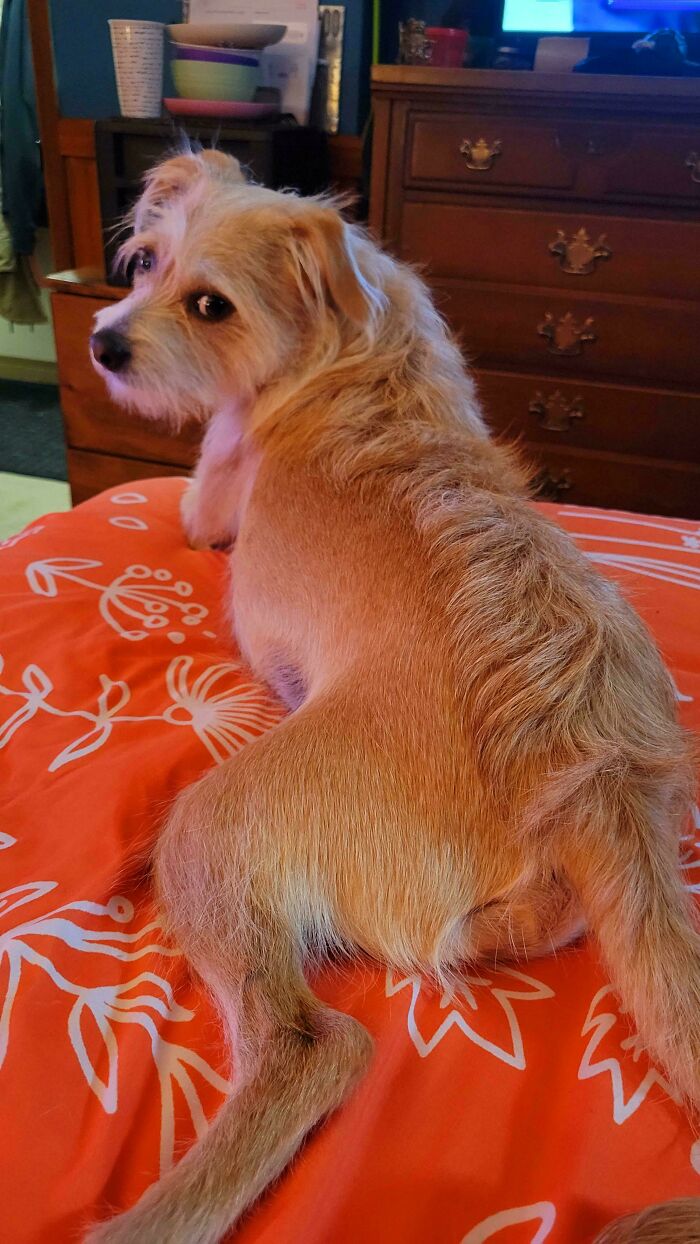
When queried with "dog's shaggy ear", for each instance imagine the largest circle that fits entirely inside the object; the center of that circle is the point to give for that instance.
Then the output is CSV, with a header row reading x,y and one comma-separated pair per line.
x,y
177,175
324,252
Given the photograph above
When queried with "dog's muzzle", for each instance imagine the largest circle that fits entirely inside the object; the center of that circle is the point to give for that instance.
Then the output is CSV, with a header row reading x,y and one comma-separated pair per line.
x,y
110,349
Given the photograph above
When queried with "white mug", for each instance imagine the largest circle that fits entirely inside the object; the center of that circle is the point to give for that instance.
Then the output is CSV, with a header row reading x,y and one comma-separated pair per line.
x,y
137,50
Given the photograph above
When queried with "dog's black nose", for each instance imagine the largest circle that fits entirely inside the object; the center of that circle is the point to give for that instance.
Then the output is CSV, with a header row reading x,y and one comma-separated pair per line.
x,y
110,349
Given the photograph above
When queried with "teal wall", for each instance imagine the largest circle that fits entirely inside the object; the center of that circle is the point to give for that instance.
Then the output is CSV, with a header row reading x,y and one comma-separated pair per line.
x,y
85,72
83,53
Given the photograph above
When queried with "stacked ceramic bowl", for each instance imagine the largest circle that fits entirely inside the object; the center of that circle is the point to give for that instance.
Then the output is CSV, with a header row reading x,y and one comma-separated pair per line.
x,y
206,67
215,73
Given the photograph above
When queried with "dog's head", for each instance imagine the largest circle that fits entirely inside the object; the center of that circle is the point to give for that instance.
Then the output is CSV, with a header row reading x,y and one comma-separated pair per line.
x,y
235,287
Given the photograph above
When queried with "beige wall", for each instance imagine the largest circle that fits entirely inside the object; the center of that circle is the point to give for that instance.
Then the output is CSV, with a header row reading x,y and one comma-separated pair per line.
x,y
21,341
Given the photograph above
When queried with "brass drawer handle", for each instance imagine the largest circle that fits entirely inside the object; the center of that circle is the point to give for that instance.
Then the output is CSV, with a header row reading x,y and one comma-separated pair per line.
x,y
693,163
479,156
554,412
550,487
566,336
578,255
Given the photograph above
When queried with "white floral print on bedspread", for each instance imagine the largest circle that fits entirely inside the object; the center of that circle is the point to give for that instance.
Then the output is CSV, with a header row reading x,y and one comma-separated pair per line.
x,y
146,598
144,999
469,1009
222,706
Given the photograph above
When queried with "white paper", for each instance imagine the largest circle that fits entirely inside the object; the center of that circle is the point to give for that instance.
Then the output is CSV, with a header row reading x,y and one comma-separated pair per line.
x,y
559,54
291,65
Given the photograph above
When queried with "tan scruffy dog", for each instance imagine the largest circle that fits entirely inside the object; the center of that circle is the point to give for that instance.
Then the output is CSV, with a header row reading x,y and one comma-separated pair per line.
x,y
483,753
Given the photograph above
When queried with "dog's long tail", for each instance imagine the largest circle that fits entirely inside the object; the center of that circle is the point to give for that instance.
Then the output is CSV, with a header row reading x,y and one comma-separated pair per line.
x,y
619,845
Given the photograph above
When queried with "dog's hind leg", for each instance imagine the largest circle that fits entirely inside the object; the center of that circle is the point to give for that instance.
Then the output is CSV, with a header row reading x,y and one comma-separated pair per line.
x,y
296,1062
538,918
236,880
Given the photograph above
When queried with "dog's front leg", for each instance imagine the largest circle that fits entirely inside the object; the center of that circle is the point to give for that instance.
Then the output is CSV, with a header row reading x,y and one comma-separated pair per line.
x,y
203,523
210,505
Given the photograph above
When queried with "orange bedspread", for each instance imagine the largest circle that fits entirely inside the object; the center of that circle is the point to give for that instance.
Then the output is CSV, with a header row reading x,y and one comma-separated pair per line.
x,y
518,1110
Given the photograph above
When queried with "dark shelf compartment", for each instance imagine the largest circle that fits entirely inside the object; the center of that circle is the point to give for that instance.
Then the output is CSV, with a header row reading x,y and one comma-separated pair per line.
x,y
276,151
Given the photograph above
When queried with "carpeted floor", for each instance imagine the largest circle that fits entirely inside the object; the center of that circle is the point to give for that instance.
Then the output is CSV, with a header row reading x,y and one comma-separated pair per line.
x,y
31,430
32,455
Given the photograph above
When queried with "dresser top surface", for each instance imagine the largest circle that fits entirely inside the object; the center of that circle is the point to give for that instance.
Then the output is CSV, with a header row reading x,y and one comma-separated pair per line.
x,y
649,92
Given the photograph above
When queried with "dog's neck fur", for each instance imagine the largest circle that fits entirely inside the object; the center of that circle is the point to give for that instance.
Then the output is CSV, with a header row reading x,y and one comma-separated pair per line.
x,y
398,381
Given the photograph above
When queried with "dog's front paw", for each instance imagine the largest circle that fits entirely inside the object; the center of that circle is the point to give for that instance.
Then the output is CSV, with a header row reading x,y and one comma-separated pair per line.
x,y
201,534
189,513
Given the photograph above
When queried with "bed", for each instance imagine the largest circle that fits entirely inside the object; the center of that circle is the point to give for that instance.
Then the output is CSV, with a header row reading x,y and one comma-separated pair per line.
x,y
520,1109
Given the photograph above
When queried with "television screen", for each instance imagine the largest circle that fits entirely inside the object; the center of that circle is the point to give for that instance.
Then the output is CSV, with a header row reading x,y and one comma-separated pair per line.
x,y
600,16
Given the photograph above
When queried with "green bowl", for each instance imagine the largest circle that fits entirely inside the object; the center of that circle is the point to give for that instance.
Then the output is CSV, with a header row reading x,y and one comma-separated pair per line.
x,y
203,80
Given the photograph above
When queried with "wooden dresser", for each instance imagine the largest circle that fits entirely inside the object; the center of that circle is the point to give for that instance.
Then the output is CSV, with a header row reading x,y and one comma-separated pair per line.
x,y
557,218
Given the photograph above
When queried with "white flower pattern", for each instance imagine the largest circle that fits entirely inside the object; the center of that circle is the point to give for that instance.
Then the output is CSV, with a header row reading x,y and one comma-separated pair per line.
x,y
665,569
471,993
631,1076
146,597
145,999
543,1212
224,720
11,541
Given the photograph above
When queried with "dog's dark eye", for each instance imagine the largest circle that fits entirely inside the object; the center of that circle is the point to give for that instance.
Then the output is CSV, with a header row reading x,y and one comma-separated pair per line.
x,y
143,261
210,307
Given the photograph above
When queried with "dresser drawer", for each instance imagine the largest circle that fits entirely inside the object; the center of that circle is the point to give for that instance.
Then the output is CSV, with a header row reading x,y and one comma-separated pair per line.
x,y
483,151
99,425
73,317
611,254
660,161
488,153
90,473
570,414
578,477
91,420
650,343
